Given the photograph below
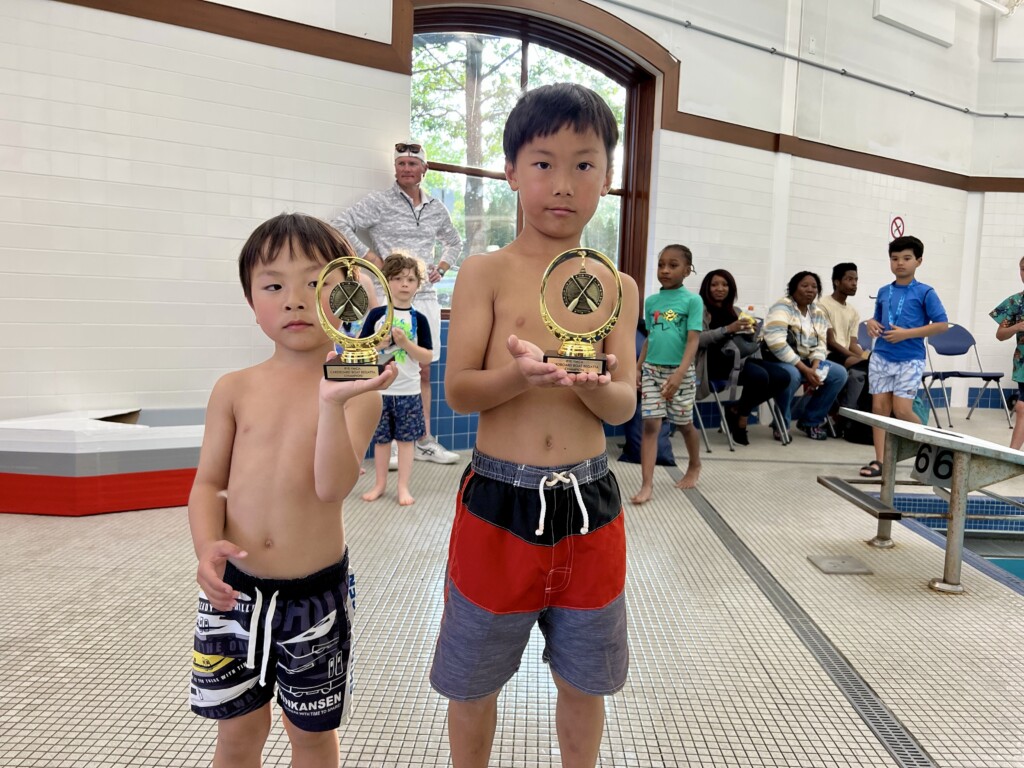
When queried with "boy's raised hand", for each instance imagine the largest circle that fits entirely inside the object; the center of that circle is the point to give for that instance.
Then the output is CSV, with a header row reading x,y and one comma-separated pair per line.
x,y
530,362
400,338
210,574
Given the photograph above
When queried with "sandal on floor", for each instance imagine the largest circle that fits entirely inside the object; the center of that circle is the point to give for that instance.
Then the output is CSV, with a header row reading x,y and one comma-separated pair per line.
x,y
872,469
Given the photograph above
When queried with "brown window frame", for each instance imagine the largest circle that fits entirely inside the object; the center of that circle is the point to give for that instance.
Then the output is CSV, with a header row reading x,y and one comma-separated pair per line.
x,y
637,133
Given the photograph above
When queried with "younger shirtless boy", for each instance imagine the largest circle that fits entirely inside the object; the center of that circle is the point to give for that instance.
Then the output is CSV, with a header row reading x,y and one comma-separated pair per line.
x,y
281,451
518,557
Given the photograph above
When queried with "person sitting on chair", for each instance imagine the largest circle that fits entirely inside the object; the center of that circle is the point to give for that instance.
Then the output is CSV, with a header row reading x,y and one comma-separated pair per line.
x,y
794,341
725,355
843,347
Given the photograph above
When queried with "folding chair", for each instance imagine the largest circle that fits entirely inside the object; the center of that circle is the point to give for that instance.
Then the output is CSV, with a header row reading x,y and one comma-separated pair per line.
x,y
953,343
863,337
700,425
779,421
717,386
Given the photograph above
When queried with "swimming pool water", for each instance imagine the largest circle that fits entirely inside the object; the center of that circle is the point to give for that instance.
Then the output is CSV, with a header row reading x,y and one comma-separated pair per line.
x,y
1014,565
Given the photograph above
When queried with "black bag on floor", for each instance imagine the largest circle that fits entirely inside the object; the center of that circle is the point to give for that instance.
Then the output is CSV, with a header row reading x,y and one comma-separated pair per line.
x,y
634,428
855,431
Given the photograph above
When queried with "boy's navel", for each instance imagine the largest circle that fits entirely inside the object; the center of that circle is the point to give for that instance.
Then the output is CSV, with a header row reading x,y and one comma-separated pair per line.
x,y
268,543
549,442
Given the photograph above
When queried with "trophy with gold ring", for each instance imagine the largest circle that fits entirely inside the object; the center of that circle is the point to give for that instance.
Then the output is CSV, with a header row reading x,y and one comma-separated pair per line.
x,y
348,302
585,316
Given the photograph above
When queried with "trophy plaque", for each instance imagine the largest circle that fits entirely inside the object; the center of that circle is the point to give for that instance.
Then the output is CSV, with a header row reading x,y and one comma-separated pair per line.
x,y
581,314
346,303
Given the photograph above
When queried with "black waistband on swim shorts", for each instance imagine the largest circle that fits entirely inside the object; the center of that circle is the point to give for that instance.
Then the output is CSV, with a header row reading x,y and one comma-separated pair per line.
x,y
528,476
301,586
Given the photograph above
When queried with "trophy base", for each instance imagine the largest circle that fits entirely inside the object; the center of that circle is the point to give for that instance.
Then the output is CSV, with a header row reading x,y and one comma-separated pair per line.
x,y
569,364
337,370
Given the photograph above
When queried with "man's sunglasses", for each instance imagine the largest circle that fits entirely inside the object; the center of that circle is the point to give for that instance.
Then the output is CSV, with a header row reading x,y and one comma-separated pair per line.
x,y
414,148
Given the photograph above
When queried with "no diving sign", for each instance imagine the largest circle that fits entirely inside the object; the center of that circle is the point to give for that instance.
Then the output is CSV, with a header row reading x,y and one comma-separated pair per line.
x,y
897,227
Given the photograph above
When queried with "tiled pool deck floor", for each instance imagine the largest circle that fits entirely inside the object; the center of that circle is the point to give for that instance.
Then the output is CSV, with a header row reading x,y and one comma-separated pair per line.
x,y
735,636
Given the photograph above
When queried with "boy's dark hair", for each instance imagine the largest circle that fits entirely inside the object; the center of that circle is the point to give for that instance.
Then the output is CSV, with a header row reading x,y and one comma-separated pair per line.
x,y
549,108
839,271
687,253
905,242
306,235
401,260
794,281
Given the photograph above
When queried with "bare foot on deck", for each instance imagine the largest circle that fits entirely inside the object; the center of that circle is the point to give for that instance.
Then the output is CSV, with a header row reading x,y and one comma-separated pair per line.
x,y
405,499
643,495
690,478
374,493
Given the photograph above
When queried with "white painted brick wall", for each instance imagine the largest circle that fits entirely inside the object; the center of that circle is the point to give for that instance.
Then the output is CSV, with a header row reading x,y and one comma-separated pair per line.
x,y
1002,248
717,199
135,158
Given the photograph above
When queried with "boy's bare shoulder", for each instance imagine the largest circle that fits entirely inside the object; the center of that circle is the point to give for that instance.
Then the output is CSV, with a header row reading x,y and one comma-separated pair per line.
x,y
483,263
232,385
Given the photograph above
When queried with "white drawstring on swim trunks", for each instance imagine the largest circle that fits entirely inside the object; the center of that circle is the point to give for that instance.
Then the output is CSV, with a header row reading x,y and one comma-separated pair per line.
x,y
254,624
250,656
565,478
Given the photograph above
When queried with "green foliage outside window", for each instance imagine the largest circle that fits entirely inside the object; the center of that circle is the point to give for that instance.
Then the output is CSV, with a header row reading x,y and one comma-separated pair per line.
x,y
463,87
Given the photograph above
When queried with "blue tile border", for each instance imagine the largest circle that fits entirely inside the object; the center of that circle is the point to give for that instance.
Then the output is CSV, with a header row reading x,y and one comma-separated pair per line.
x,y
976,505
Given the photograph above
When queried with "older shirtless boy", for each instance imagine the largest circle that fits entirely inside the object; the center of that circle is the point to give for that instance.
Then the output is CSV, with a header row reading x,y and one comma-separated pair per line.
x,y
538,535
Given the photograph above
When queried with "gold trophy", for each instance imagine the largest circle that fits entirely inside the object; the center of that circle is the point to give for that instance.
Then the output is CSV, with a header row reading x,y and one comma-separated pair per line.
x,y
583,294
348,302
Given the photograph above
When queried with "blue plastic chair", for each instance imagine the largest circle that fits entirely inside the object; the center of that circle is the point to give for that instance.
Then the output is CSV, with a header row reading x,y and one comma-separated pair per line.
x,y
953,343
863,337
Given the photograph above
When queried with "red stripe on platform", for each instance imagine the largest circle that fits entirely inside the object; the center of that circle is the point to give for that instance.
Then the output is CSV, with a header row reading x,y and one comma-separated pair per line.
x,y
77,496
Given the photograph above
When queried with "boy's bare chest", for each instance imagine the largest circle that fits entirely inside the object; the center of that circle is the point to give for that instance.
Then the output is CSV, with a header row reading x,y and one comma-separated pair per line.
x,y
276,417
517,309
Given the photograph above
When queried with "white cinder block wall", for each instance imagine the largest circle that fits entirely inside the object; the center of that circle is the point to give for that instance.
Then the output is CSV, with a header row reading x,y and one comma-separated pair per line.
x,y
1002,248
135,158
717,199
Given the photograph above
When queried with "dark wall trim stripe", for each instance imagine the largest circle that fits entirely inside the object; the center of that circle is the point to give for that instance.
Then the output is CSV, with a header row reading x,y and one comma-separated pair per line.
x,y
279,33
397,57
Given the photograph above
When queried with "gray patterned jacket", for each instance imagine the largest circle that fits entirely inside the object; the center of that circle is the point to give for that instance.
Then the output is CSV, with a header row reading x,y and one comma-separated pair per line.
x,y
392,223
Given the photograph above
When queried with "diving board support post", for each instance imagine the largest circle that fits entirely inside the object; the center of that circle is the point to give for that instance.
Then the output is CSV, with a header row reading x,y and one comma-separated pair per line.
x,y
898,447
951,462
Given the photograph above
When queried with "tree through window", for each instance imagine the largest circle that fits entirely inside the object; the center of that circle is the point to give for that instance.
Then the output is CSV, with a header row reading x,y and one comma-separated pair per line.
x,y
464,85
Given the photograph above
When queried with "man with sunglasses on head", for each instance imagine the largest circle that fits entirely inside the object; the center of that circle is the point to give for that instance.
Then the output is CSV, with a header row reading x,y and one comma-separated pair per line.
x,y
406,218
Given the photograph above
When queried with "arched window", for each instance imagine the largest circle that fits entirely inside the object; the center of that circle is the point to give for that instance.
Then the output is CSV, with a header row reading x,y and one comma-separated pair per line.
x,y
469,66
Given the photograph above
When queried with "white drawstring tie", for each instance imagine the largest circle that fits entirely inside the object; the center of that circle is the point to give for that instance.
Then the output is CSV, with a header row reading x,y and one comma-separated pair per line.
x,y
268,625
564,478
254,625
250,657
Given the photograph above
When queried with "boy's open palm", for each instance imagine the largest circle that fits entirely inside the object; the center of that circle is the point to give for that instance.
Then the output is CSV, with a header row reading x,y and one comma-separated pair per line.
x,y
530,361
210,574
593,380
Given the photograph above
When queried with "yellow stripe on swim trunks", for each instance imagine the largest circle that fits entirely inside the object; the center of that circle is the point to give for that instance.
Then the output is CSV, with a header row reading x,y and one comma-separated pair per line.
x,y
207,665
